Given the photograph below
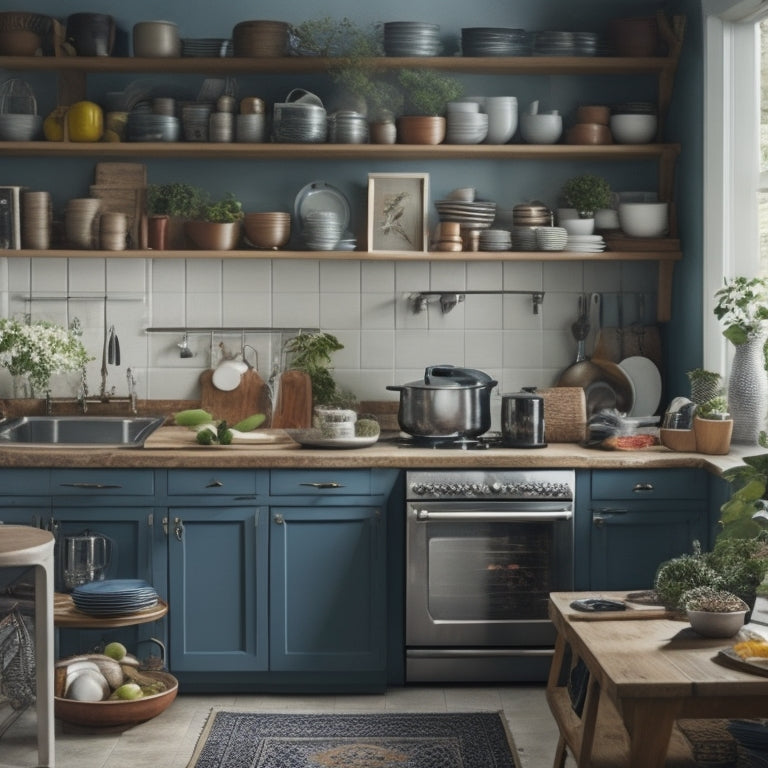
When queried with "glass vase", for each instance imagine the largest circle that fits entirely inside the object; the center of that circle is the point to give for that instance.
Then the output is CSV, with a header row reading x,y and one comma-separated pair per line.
x,y
22,388
748,392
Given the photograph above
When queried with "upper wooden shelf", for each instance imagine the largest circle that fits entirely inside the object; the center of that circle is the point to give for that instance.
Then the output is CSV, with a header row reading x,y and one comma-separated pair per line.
x,y
326,151
512,65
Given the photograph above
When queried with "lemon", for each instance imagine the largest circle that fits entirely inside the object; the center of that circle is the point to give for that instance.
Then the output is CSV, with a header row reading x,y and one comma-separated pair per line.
x,y
128,691
115,651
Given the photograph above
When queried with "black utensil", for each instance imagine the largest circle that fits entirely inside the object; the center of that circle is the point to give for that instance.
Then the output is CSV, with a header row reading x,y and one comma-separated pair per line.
x,y
111,346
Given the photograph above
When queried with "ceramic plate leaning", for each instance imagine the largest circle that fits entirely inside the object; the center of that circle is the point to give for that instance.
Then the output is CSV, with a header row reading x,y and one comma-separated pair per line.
x,y
312,438
646,380
321,196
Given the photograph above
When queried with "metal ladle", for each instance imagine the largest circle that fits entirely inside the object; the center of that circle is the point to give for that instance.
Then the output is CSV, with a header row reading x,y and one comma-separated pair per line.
x,y
183,345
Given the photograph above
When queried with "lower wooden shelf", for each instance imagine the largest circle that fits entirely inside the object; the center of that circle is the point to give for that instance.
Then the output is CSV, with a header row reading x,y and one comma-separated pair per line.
x,y
66,615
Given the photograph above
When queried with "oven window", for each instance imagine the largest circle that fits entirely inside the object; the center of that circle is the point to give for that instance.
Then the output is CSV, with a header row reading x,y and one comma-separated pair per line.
x,y
489,572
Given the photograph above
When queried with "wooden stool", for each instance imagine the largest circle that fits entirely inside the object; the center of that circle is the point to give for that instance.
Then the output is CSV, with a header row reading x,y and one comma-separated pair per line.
x,y
24,546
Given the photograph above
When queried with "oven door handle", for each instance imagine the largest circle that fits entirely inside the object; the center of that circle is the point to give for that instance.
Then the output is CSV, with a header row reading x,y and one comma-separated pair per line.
x,y
424,515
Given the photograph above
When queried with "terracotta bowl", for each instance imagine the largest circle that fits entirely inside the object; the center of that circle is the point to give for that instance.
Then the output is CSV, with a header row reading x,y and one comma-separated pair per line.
x,y
213,237
593,113
413,129
19,42
100,714
589,133
267,230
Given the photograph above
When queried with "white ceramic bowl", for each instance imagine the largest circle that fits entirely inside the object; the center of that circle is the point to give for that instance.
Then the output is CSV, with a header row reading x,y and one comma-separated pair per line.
x,y
710,624
633,129
20,127
541,129
644,219
578,226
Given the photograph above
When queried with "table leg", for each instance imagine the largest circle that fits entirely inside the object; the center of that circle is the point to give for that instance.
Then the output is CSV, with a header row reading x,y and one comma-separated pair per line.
x,y
44,661
650,723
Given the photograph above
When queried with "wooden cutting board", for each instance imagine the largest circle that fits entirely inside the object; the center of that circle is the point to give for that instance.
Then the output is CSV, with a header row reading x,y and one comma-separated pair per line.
x,y
182,438
293,409
252,396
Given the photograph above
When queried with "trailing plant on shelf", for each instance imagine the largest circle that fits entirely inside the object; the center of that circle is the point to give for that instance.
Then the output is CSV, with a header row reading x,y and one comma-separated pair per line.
x,y
330,37
587,194
427,91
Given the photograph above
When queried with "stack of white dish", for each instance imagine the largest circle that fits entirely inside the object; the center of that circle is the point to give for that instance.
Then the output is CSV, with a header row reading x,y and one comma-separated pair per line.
x,y
502,118
81,219
322,230
195,117
477,214
298,122
494,41
495,240
114,597
465,126
411,38
551,238
585,243
524,238
553,43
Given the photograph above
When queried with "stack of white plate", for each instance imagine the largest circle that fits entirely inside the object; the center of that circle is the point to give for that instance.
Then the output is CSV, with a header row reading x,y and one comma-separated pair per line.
x,y
554,43
322,230
299,123
114,597
495,240
478,214
411,38
207,47
585,43
465,127
585,243
524,238
494,41
348,242
551,238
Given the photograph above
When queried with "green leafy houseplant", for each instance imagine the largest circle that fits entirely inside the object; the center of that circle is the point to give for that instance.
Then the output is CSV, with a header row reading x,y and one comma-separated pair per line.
x,y
704,384
227,210
715,409
587,194
427,91
177,199
742,307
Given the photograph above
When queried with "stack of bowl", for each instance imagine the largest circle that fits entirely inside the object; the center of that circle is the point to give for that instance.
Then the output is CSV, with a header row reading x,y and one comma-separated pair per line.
x,y
465,123
541,127
591,126
495,240
533,214
147,126
634,122
474,214
19,120
195,117
260,38
23,33
551,238
269,230
81,219
36,220
494,41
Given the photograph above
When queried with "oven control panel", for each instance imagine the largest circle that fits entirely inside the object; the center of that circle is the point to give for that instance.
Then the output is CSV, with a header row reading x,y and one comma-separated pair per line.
x,y
544,484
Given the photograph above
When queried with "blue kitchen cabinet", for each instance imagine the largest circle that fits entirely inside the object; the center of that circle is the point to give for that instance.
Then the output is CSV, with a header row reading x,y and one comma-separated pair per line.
x,y
640,518
327,596
24,496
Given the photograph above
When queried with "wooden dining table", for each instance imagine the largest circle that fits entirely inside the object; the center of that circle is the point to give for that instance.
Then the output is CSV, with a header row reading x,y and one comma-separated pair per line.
x,y
648,665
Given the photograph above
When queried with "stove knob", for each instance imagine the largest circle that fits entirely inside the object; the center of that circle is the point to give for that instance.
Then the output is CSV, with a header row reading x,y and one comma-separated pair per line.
x,y
496,487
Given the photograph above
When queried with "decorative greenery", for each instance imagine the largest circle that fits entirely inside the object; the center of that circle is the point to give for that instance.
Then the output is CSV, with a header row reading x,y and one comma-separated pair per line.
x,y
712,600
715,409
677,576
224,211
330,37
361,79
39,350
587,194
311,352
704,384
742,307
745,514
428,91
181,200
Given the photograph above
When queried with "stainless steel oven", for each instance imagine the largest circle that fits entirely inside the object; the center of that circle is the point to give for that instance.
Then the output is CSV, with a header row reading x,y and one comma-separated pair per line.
x,y
484,550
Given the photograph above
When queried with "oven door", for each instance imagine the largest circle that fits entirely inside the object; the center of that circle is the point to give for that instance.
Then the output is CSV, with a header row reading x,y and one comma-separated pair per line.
x,y
480,573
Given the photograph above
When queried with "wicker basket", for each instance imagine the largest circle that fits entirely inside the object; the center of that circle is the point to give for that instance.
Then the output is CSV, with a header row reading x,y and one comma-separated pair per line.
x,y
17,98
565,414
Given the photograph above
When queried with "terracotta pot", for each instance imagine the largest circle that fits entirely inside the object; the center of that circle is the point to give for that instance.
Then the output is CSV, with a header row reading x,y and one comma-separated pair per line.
x,y
712,437
420,129
212,236
383,132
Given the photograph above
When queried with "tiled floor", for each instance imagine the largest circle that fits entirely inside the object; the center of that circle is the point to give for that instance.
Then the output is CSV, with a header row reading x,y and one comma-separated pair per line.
x,y
169,739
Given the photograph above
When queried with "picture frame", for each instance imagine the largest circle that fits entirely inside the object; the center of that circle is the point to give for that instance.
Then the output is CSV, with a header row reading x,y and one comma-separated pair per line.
x,y
397,212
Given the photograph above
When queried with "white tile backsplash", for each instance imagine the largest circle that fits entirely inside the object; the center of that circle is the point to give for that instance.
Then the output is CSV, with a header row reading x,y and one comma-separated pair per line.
x,y
363,303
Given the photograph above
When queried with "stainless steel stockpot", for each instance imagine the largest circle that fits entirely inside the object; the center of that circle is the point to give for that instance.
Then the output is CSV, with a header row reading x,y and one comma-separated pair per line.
x,y
449,402
522,419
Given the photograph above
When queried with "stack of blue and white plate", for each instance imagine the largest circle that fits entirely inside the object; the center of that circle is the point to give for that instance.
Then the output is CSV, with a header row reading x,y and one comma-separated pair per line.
x,y
206,47
411,38
554,43
114,597
494,41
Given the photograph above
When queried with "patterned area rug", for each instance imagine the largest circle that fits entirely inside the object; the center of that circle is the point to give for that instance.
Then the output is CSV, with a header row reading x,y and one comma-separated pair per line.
x,y
403,740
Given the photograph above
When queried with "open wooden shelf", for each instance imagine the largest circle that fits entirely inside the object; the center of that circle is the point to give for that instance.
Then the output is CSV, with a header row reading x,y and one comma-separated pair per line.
x,y
66,615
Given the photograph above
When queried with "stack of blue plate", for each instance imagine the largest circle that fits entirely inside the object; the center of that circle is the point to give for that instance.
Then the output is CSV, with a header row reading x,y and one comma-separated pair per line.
x,y
411,38
494,41
114,597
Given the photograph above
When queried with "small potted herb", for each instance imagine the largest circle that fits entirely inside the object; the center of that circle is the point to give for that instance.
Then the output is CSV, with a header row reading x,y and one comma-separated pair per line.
x,y
426,94
714,612
587,194
168,207
216,225
712,427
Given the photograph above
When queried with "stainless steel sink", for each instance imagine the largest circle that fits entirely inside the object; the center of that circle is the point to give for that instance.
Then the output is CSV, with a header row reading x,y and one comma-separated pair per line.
x,y
80,431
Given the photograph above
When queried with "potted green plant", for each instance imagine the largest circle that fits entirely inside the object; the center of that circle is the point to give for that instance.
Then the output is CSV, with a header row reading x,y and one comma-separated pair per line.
x,y
714,612
426,94
168,207
705,385
587,194
217,223
712,427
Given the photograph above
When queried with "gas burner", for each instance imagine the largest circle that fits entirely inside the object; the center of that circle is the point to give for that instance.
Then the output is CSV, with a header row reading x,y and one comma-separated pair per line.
x,y
491,440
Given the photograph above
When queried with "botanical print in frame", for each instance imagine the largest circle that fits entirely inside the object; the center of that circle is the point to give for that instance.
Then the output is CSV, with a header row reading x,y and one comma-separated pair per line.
x,y
397,211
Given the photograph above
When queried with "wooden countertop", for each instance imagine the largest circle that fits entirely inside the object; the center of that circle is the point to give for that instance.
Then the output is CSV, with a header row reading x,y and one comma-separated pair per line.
x,y
174,447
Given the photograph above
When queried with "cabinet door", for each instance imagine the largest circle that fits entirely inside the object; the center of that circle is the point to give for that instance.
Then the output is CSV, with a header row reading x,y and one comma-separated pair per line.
x,y
628,543
327,600
217,580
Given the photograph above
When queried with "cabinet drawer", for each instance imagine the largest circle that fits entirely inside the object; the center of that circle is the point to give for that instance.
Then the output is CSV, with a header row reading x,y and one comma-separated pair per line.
x,y
27,482
114,482
216,482
648,484
327,482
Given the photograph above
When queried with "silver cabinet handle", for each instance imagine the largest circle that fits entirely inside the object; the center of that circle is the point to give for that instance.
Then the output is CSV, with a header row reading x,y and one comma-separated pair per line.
x,y
425,515
90,486
178,528
330,484
215,484
279,519
642,488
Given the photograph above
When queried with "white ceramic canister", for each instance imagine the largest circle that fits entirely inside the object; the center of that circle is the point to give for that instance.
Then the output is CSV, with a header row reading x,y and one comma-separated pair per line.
x,y
156,39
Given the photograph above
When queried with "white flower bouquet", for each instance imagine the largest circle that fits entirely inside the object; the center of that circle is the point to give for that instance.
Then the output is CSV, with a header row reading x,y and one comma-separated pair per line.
x,y
39,350
742,307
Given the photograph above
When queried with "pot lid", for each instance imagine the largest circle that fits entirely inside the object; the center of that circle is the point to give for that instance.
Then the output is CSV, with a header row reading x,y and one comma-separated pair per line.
x,y
452,377
527,393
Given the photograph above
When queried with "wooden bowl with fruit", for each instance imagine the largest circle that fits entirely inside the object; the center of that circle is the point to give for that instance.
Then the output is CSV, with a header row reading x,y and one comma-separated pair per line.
x,y
110,689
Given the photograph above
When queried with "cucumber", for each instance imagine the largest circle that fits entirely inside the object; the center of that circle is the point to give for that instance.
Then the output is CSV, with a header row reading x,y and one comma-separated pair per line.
x,y
251,423
192,417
